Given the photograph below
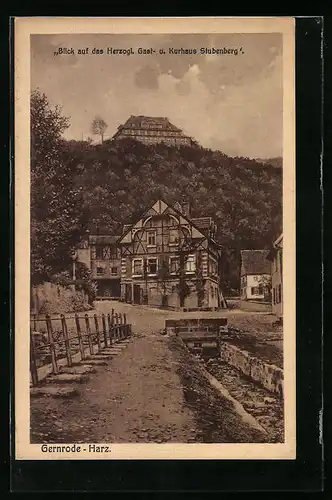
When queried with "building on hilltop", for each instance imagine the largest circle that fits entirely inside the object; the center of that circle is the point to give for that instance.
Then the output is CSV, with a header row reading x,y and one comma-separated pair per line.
x,y
152,130
164,258
255,274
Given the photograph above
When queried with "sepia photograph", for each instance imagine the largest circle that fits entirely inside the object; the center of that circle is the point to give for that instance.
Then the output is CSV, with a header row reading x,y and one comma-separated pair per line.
x,y
155,188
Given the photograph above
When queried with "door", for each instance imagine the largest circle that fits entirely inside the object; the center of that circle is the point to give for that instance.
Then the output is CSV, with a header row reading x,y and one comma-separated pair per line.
x,y
137,294
128,292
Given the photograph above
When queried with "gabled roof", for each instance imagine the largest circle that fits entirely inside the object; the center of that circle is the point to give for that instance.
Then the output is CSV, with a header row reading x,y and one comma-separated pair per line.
x,y
202,222
103,239
278,244
140,121
255,262
126,227
279,241
160,205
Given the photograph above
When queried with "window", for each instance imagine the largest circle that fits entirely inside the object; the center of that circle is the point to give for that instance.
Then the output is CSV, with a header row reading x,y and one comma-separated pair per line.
x,y
254,290
148,222
213,268
103,252
99,252
151,238
113,252
190,264
174,265
273,296
173,236
280,293
260,290
137,267
255,278
114,270
152,266
100,270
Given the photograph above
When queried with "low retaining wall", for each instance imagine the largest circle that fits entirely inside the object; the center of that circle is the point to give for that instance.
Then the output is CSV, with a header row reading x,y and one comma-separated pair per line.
x,y
49,298
269,376
197,309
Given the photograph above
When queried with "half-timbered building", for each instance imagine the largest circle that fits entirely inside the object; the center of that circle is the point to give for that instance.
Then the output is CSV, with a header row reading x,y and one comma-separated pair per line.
x,y
169,259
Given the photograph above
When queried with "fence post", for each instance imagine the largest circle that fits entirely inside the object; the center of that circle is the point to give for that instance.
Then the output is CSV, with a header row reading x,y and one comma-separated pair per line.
x,y
67,342
79,334
116,328
52,345
125,328
113,327
103,320
33,364
119,326
97,332
88,331
35,321
110,329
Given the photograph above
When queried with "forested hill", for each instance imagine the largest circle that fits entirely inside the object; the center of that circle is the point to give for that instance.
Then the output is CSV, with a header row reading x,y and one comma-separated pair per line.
x,y
121,179
276,162
76,184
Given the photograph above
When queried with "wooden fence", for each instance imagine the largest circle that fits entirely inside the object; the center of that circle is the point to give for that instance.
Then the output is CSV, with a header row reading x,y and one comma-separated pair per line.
x,y
63,339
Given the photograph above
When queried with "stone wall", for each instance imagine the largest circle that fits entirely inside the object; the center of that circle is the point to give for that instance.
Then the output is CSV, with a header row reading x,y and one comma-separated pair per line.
x,y
50,298
269,376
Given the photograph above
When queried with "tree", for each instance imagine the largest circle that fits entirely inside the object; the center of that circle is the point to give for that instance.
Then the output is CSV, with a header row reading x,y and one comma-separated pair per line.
x,y
99,127
265,282
57,218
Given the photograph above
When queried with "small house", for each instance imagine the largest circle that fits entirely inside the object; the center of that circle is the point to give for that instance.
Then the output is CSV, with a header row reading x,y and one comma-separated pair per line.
x,y
255,275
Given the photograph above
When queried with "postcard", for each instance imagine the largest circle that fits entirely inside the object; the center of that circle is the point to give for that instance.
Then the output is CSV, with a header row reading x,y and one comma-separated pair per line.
x,y
155,238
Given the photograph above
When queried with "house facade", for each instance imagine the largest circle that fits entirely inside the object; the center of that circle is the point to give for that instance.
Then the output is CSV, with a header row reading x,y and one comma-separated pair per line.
x,y
101,254
171,260
255,275
152,130
165,258
276,257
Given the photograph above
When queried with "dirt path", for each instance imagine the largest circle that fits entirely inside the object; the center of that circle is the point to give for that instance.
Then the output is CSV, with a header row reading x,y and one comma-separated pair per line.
x,y
137,397
151,391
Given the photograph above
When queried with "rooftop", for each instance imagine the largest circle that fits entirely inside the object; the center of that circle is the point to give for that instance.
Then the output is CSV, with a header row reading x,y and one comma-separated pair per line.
x,y
151,122
103,238
255,262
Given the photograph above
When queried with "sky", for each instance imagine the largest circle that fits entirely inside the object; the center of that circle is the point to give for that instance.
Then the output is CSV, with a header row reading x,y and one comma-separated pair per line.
x,y
228,102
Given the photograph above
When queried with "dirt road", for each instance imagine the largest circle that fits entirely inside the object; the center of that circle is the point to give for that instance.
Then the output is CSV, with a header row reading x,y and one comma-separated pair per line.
x,y
150,392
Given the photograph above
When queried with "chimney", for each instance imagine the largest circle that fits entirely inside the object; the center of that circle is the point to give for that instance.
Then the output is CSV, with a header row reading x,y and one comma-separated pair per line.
x,y
185,208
